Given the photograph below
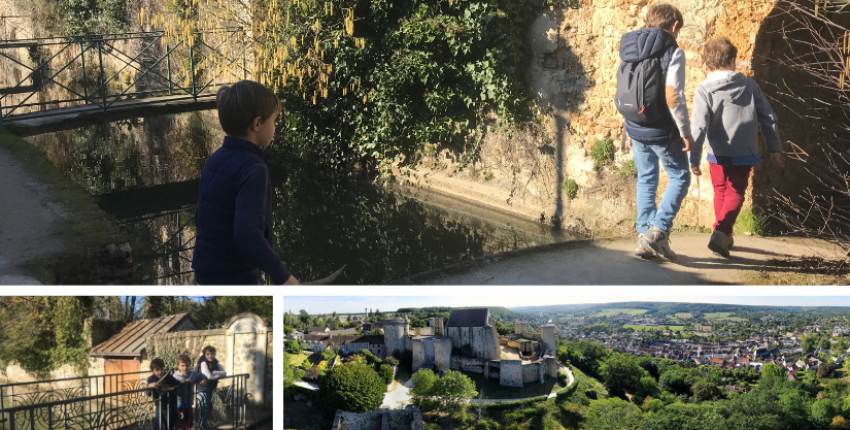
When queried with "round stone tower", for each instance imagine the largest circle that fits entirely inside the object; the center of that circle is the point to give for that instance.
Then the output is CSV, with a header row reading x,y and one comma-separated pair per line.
x,y
547,336
395,330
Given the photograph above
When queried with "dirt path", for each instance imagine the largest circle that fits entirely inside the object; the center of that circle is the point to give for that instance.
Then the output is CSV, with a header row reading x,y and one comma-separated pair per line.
x,y
611,262
29,220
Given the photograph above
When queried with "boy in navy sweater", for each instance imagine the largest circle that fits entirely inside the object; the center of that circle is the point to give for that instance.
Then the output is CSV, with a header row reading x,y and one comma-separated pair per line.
x,y
234,218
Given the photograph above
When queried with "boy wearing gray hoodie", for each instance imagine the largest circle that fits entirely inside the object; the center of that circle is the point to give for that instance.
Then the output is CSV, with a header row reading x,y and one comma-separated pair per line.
x,y
728,108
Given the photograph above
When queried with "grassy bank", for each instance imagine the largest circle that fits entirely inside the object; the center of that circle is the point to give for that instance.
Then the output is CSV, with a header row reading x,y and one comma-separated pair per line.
x,y
86,228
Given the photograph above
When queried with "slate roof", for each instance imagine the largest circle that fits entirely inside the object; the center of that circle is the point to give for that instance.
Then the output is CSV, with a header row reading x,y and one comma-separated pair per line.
x,y
468,318
130,341
316,329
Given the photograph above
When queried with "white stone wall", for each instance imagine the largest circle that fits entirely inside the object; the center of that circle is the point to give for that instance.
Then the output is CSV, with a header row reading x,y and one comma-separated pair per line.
x,y
547,333
530,372
418,354
492,341
511,373
394,338
474,365
442,353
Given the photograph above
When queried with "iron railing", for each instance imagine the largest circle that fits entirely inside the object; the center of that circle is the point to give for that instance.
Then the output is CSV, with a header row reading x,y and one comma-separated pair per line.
x,y
132,410
71,71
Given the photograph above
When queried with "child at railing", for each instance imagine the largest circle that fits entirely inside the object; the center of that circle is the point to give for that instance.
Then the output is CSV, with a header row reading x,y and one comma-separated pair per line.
x,y
186,390
165,400
209,367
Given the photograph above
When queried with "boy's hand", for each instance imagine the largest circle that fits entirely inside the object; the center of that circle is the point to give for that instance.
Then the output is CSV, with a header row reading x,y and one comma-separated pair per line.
x,y
629,141
203,383
695,169
777,159
689,143
291,281
153,385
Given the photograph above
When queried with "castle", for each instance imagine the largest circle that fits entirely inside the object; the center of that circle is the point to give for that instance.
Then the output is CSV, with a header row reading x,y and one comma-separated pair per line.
x,y
470,342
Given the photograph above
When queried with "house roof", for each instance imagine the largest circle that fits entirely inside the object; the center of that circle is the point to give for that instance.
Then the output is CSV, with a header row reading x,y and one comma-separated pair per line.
x,y
130,341
370,339
468,318
316,329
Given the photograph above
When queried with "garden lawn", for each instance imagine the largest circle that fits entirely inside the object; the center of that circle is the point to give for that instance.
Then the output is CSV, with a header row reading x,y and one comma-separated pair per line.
x,y
684,315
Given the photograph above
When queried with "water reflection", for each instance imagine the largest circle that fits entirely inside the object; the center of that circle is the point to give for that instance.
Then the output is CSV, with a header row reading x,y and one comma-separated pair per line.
x,y
144,172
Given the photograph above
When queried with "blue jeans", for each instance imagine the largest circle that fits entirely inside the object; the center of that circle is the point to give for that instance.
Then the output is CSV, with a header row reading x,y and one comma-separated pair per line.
x,y
205,408
675,162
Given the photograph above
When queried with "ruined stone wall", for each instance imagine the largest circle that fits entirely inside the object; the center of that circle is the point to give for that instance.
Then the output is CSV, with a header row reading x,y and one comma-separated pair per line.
x,y
424,331
418,354
474,365
492,343
478,340
530,335
520,327
442,353
530,372
551,367
511,373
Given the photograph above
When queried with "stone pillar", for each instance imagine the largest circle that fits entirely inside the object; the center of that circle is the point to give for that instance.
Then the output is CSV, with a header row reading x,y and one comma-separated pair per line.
x,y
442,353
248,335
418,355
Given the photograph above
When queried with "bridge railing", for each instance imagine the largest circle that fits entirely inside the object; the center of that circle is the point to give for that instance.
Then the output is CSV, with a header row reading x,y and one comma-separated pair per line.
x,y
132,410
102,70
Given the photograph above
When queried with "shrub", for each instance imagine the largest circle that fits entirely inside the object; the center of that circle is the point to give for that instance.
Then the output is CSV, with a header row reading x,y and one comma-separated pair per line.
x,y
312,373
603,152
352,387
387,373
627,170
299,374
749,222
488,176
570,188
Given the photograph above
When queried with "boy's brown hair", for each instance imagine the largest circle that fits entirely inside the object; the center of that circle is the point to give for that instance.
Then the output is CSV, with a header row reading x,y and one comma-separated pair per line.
x,y
663,16
243,101
157,363
720,53
184,359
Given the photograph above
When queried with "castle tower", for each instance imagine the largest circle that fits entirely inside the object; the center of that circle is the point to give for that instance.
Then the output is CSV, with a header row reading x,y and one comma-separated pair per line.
x,y
395,331
437,324
520,327
547,335
442,353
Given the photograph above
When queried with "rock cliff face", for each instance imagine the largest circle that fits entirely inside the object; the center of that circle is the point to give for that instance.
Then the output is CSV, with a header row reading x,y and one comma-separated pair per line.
x,y
573,78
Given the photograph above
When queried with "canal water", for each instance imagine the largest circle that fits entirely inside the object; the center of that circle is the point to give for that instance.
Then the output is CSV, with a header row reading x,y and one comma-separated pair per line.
x,y
145,173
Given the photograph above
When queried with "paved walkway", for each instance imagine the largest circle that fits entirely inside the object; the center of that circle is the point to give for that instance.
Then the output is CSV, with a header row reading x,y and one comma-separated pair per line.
x,y
307,385
29,223
398,398
611,262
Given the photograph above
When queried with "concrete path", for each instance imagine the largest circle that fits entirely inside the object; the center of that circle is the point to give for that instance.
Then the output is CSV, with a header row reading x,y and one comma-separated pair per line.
x,y
611,262
29,220
398,398
307,385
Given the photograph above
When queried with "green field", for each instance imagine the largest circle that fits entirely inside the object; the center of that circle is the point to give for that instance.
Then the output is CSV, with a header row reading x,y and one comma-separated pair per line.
x,y
684,315
613,312
645,328
722,316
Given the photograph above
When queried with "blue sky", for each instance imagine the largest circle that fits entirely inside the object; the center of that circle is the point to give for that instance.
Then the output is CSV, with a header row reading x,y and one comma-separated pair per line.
x,y
350,304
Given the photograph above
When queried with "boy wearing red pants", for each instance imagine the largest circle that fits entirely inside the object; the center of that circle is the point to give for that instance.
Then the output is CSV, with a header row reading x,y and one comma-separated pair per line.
x,y
728,108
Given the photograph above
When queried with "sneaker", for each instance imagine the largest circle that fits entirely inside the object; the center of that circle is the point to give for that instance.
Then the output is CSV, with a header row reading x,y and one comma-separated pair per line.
x,y
644,251
719,243
658,240
731,242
